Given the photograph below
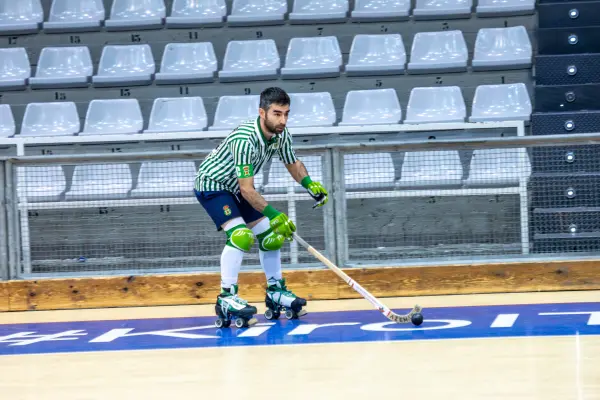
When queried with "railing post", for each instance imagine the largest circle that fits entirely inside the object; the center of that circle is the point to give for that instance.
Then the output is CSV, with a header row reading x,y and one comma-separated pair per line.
x,y
339,198
12,221
4,249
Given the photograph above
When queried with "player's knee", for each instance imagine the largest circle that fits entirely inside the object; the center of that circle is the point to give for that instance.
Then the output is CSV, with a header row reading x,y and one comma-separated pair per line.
x,y
270,241
242,239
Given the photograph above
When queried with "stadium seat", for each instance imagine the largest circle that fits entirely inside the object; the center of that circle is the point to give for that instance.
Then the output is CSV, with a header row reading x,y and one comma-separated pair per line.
x,y
250,60
51,119
125,65
315,57
376,55
435,104
165,179
381,10
184,63
508,102
40,184
194,13
258,12
504,8
502,48
311,109
126,15
20,16
442,9
63,67
14,68
7,121
318,11
371,107
100,181
75,16
111,117
178,114
438,52
368,171
498,167
280,179
422,169
233,110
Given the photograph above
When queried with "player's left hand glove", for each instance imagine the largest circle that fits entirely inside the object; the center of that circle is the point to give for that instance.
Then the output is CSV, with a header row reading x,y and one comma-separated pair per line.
x,y
318,192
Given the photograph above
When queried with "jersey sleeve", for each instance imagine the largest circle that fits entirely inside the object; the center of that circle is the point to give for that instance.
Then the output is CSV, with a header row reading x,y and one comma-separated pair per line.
x,y
286,150
242,152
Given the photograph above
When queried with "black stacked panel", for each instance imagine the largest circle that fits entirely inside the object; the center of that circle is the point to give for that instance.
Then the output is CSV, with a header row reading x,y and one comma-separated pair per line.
x,y
565,181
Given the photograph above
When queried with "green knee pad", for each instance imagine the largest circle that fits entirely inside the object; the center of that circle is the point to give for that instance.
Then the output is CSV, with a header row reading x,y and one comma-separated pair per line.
x,y
240,238
270,241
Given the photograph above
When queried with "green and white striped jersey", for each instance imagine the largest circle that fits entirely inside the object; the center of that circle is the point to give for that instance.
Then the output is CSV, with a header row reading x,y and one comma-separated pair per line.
x,y
241,155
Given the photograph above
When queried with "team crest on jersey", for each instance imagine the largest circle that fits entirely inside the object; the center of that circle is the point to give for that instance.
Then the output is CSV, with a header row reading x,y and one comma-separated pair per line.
x,y
226,210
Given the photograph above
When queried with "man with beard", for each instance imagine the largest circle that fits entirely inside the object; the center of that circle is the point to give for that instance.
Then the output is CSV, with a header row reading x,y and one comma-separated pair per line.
x,y
225,188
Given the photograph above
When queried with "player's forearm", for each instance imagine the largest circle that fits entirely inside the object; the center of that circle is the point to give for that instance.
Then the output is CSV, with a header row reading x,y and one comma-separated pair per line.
x,y
254,198
297,171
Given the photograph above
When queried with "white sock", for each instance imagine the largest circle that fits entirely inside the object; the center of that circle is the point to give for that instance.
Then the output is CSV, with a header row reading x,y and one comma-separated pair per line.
x,y
231,259
270,260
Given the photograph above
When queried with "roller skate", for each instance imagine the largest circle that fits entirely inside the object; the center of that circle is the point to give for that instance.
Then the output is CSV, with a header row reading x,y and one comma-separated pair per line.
x,y
279,299
232,307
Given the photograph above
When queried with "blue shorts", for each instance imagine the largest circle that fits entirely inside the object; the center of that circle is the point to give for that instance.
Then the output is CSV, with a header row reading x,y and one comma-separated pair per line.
x,y
223,206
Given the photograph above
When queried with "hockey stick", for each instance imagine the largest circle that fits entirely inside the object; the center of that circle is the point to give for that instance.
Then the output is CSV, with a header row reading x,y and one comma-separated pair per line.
x,y
401,319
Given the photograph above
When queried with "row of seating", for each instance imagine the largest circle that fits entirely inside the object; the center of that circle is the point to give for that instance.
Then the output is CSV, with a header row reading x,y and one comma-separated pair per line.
x,y
120,65
362,107
495,167
24,16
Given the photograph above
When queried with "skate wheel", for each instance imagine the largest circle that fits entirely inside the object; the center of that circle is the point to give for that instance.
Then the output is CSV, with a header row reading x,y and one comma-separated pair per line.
x,y
240,323
269,314
276,314
219,323
289,314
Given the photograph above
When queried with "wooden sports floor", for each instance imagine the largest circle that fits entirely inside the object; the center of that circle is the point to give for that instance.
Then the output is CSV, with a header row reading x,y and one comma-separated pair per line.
x,y
535,364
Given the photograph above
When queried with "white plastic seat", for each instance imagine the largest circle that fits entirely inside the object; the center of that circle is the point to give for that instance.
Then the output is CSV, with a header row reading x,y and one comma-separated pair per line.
x,y
442,9
136,14
431,169
75,16
381,10
318,11
111,117
178,114
435,104
438,51
250,60
280,180
63,67
40,183
508,102
165,179
258,12
100,181
502,48
376,55
7,121
368,171
311,109
14,68
192,13
233,110
125,66
504,8
51,119
20,16
498,167
316,57
371,107
187,63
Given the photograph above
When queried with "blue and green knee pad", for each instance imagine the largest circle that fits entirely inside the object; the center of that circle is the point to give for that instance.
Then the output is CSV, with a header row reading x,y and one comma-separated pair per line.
x,y
242,238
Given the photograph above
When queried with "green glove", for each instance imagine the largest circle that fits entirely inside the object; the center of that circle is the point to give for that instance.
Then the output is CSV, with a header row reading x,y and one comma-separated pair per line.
x,y
316,190
279,222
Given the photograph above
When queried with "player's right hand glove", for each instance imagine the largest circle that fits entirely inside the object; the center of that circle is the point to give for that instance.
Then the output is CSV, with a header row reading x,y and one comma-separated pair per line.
x,y
316,190
279,222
